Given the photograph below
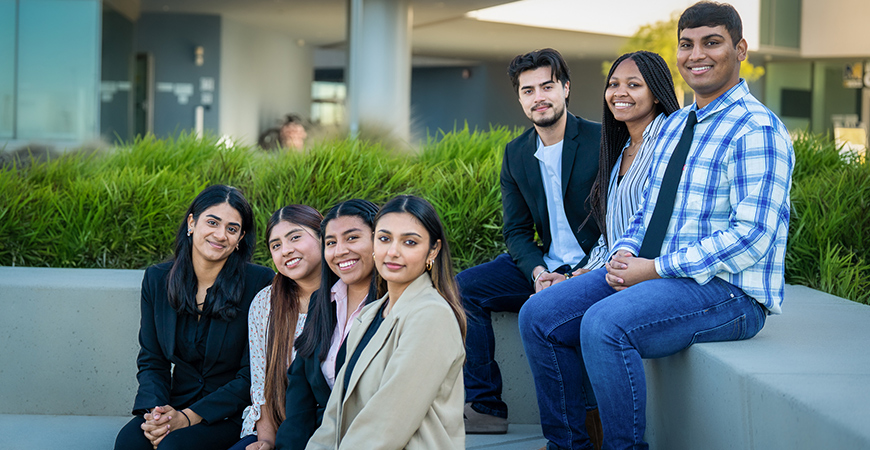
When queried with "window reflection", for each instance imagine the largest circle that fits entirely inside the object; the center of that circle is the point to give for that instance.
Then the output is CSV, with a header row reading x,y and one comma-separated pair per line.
x,y
57,69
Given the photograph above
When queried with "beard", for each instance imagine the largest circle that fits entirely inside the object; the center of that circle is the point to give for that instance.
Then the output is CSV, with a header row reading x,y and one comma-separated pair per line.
x,y
547,121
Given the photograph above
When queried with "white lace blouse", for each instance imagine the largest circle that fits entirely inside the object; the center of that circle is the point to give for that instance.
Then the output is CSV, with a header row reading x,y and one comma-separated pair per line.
x,y
258,323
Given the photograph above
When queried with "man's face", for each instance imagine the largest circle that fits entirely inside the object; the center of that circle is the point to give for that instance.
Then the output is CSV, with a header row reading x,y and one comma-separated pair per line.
x,y
709,61
543,98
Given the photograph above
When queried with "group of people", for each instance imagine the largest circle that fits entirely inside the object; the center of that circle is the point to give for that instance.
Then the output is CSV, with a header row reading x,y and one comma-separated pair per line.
x,y
660,227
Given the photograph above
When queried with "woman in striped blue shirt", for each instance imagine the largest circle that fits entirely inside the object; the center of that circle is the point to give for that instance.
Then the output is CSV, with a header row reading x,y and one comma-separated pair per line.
x,y
638,95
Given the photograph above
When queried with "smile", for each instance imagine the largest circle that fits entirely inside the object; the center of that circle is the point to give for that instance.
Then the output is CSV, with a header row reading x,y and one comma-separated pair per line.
x,y
700,69
622,104
217,246
347,265
292,262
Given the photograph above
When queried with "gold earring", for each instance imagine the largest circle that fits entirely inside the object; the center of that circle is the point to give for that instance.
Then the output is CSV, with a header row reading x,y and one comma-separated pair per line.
x,y
429,265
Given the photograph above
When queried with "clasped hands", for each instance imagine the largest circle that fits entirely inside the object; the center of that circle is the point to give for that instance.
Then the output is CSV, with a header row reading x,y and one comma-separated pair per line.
x,y
625,270
164,419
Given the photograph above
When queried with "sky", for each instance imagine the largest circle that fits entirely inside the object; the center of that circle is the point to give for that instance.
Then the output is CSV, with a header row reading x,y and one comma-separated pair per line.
x,y
614,17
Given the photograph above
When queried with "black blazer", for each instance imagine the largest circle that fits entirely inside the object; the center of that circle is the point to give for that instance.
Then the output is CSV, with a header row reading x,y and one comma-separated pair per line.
x,y
306,397
522,191
223,388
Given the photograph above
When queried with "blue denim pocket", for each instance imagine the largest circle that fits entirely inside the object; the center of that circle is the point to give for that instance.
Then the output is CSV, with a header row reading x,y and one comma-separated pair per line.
x,y
733,330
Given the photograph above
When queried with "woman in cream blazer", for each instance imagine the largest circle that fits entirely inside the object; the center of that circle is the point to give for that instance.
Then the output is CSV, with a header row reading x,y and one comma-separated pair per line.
x,y
401,385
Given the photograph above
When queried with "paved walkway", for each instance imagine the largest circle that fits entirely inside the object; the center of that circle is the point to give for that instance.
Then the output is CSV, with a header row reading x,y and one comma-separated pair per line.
x,y
28,432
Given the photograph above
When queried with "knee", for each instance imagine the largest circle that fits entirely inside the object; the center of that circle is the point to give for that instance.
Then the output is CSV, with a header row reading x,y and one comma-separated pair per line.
x,y
596,326
532,316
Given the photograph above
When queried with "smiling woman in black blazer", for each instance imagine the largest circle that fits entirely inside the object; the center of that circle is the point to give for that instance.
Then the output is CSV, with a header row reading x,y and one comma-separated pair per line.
x,y
194,315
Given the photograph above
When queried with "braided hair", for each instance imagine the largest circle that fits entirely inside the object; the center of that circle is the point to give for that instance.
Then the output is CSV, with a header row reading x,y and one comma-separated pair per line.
x,y
614,133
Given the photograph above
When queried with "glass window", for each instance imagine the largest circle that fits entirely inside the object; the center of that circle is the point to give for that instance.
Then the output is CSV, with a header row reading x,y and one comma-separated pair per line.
x,y
58,58
327,102
7,68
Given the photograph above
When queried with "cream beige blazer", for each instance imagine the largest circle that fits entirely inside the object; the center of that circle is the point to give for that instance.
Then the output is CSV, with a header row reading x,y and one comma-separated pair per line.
x,y
406,390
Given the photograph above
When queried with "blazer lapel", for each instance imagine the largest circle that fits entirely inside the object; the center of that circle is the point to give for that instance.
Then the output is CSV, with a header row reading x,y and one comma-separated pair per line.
x,y
570,147
372,347
216,331
533,175
169,320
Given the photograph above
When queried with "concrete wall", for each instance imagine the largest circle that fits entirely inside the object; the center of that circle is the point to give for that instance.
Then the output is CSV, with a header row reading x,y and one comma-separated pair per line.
x,y
69,340
264,75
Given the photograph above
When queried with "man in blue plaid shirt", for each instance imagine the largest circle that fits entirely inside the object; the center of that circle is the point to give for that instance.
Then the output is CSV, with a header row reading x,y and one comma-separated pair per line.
x,y
708,268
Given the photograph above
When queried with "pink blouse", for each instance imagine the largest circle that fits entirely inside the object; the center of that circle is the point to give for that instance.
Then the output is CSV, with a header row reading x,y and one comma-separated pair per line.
x,y
258,324
342,328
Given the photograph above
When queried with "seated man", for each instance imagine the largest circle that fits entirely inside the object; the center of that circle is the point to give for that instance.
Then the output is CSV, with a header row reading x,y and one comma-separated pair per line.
x,y
546,175
709,269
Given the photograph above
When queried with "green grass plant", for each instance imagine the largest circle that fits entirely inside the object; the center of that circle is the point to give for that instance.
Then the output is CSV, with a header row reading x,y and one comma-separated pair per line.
x,y
120,208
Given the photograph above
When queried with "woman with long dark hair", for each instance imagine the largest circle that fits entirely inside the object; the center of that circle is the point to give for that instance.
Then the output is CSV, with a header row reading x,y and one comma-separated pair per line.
x,y
277,317
348,282
638,96
401,386
194,378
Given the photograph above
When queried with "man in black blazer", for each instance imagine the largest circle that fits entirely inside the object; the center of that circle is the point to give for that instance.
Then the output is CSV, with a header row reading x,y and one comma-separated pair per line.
x,y
546,176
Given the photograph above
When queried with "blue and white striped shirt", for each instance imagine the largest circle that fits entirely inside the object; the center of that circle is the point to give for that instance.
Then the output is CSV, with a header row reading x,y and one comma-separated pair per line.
x,y
731,210
624,198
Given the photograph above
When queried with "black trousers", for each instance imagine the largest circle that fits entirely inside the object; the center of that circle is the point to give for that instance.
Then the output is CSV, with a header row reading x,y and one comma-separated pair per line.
x,y
218,436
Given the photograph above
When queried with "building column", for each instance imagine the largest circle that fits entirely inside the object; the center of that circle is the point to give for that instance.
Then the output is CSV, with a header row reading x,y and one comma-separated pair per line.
x,y
379,67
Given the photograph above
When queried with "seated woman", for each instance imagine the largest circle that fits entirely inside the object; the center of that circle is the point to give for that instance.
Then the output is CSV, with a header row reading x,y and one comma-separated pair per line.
x,y
401,386
194,316
276,319
638,95
347,268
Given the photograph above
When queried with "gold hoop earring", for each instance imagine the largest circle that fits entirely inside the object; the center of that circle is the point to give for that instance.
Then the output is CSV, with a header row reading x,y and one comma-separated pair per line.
x,y
429,265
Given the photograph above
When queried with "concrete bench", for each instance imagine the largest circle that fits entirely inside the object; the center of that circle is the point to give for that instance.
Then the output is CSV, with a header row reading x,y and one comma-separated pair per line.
x,y
70,344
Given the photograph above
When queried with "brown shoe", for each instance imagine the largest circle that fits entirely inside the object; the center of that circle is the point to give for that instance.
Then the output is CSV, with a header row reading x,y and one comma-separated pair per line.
x,y
479,423
593,428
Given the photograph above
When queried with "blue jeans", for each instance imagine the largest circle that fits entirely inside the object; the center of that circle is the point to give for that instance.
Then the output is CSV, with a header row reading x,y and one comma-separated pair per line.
x,y
653,319
496,286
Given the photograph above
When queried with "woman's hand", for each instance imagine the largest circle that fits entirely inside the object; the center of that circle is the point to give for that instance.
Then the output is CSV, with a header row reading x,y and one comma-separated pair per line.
x,y
164,419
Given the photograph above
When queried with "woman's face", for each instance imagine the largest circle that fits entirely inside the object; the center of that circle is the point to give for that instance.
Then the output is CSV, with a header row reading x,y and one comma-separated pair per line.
x,y
348,249
628,96
295,250
402,249
216,233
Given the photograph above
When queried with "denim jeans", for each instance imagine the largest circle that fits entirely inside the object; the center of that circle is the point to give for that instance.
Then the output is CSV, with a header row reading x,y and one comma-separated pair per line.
x,y
496,286
615,330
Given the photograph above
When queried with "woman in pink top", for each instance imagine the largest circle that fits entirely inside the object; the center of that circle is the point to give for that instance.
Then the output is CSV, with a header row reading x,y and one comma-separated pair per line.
x,y
348,282
277,317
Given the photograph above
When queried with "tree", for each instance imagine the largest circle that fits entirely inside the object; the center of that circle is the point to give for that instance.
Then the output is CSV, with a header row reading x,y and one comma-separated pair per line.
x,y
661,37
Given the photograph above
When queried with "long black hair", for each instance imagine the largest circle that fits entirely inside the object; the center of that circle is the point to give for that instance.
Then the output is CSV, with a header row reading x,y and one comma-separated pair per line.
x,y
443,278
321,320
223,298
614,133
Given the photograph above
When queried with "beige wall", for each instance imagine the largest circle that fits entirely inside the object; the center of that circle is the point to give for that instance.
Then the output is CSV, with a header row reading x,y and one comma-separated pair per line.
x,y
835,29
264,75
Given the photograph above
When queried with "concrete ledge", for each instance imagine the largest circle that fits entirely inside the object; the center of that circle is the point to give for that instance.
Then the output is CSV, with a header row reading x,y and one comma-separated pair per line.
x,y
802,383
68,432
70,349
70,340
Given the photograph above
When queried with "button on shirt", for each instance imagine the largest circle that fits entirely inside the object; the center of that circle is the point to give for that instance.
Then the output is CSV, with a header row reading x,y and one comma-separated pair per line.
x,y
342,328
731,210
564,248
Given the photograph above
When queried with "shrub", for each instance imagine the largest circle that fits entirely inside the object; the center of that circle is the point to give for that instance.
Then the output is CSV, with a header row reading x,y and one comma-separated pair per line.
x,y
120,208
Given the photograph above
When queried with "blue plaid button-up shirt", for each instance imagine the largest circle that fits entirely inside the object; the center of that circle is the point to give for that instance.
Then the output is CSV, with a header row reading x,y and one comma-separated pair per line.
x,y
731,210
